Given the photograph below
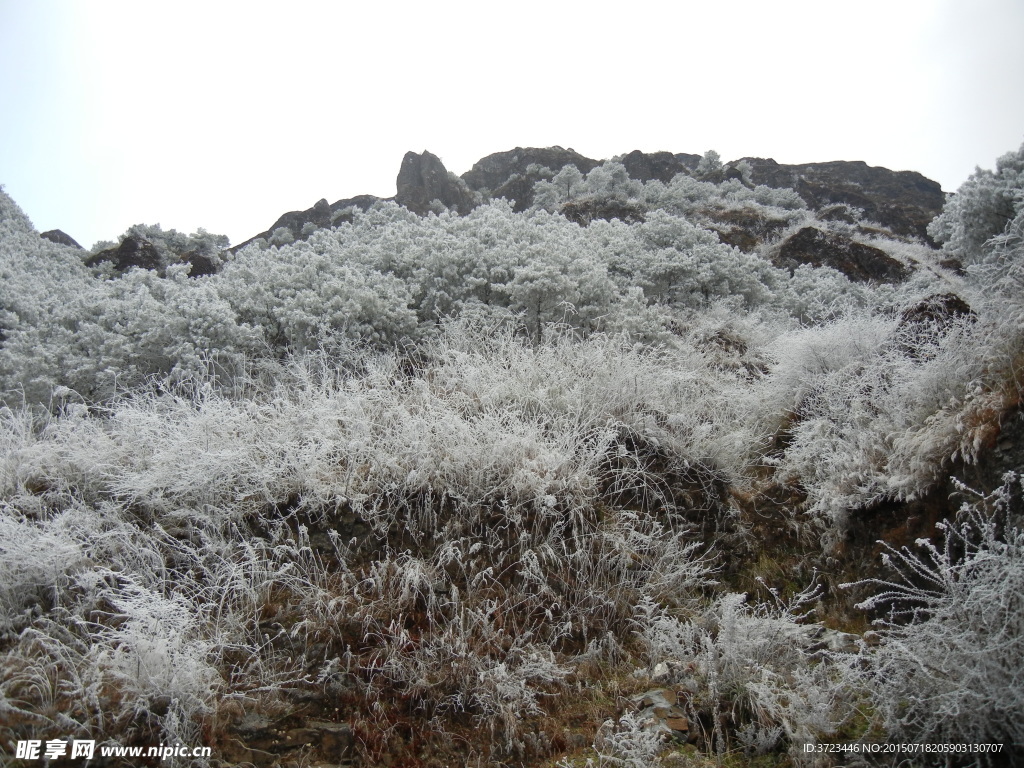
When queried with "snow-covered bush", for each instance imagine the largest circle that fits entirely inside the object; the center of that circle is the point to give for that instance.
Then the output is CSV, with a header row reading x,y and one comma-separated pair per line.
x,y
751,676
981,209
950,665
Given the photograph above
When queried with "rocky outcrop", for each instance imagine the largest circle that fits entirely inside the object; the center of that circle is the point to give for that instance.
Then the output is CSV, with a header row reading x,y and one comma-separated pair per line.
x,y
132,252
936,312
827,249
201,264
742,228
660,166
496,169
56,236
424,179
903,201
508,174
321,214
932,317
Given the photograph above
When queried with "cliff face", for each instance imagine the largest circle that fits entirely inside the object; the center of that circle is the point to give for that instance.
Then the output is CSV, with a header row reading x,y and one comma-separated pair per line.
x,y
903,201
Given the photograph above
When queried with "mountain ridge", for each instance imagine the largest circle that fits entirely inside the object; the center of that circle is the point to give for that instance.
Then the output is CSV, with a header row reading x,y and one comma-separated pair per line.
x,y
903,201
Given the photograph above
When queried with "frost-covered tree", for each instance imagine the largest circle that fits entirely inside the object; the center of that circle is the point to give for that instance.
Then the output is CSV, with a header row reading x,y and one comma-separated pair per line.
x,y
710,167
564,186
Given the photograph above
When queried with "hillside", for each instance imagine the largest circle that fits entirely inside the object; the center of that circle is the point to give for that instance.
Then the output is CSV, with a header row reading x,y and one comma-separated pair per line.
x,y
656,460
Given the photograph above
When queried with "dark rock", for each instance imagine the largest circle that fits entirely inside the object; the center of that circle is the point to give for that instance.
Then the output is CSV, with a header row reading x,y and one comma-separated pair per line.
x,y
588,209
201,264
903,201
132,252
423,179
660,166
321,214
953,264
56,236
855,260
743,228
921,325
937,311
504,174
336,740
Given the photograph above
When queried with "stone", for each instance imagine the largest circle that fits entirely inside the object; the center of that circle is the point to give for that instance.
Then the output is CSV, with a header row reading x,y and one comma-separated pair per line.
x,y
335,740
903,201
658,712
61,238
132,252
423,179
859,262
937,311
200,263
659,166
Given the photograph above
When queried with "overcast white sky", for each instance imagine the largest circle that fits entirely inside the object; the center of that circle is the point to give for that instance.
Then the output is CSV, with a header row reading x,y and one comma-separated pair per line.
x,y
225,115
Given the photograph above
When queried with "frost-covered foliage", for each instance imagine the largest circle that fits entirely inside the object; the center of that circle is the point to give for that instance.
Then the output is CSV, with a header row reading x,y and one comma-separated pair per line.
x,y
753,679
493,545
983,208
950,667
454,474
695,198
386,278
863,420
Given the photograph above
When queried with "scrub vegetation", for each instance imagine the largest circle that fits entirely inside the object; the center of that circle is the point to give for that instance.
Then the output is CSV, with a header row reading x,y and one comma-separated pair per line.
x,y
455,489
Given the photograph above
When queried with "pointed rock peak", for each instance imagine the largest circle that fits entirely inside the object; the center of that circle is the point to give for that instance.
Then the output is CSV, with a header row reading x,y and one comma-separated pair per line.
x,y
424,179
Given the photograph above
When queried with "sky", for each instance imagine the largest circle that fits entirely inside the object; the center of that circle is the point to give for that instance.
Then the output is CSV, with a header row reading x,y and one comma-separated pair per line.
x,y
225,115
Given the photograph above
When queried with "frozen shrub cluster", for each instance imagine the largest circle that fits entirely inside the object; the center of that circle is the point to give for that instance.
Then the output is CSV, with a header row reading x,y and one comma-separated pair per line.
x,y
949,667
752,680
385,278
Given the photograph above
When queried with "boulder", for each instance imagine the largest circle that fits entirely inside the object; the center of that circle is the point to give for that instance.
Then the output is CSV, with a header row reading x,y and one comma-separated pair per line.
x,y
937,311
857,261
201,264
132,252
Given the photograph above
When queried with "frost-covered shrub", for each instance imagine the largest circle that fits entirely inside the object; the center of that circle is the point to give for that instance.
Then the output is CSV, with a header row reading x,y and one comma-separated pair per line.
x,y
871,407
300,299
627,743
981,209
751,675
12,218
282,236
172,247
117,334
950,665
154,651
37,563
